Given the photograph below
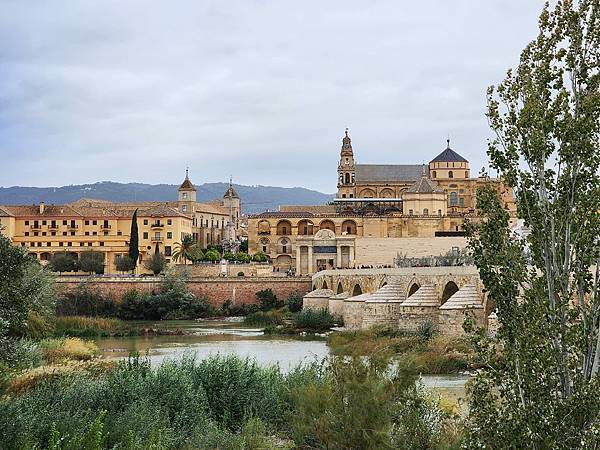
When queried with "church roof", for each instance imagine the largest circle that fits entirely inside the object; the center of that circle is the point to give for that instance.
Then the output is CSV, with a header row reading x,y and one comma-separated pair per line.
x,y
187,184
231,192
424,186
387,172
449,155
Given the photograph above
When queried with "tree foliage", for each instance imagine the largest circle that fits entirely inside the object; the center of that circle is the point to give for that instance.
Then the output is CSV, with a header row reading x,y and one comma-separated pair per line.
x,y
124,263
91,261
134,250
25,288
546,117
63,262
185,250
156,263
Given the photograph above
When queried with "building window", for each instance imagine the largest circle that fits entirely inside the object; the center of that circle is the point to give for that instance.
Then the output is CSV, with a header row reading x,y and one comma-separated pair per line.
x,y
347,178
466,174
170,221
36,233
87,222
440,212
184,208
81,244
87,233
450,174
169,235
89,244
72,233
43,222
48,244
425,212
351,195
27,233
145,221
64,233
69,244
94,222
27,222
434,174
410,212
461,201
145,235
94,233
453,198
53,233
101,244
43,233
106,233
167,250
64,222
60,244
343,195
184,195
119,233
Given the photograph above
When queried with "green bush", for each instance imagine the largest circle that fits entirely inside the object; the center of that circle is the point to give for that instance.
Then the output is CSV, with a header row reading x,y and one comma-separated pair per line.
x,y
426,330
294,302
310,319
267,300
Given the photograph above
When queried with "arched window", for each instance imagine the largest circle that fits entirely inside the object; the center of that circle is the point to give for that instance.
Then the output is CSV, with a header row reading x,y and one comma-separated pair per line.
x,y
347,178
450,174
440,212
349,227
340,289
284,228
453,199
356,291
325,285
414,288
425,212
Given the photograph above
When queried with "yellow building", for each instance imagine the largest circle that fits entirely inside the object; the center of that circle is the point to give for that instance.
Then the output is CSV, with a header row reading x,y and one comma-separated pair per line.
x,y
104,226
374,201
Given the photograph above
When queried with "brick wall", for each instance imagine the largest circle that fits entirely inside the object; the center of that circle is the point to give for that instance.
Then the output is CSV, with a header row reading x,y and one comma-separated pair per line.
x,y
218,290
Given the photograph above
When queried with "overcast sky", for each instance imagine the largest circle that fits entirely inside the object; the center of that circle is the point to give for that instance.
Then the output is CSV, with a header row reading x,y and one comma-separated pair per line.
x,y
260,90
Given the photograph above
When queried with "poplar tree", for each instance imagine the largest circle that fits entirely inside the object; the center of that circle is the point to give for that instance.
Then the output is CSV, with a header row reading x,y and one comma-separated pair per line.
x,y
539,386
134,250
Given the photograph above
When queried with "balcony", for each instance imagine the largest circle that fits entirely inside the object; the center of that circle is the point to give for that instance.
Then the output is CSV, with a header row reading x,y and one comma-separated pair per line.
x,y
53,226
35,227
157,225
104,226
72,226
156,238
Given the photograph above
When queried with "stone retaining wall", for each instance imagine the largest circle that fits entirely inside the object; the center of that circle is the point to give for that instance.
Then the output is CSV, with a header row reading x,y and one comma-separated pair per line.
x,y
240,290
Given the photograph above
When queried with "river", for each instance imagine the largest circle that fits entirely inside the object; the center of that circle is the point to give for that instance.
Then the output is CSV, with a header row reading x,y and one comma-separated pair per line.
x,y
210,337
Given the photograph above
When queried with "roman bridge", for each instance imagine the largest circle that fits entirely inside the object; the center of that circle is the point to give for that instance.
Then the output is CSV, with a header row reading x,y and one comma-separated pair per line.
x,y
401,296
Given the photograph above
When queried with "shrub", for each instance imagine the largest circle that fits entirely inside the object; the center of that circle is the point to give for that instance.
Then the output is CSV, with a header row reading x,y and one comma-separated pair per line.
x,y
56,350
212,256
242,257
91,261
314,320
260,257
426,330
156,263
268,300
294,302
228,256
264,319
85,300
62,262
124,263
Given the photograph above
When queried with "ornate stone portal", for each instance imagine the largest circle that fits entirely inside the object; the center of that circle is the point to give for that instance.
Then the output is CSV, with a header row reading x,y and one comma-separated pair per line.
x,y
324,251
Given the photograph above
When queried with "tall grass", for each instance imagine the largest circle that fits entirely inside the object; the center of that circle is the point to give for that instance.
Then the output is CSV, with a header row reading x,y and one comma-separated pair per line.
x,y
88,326
222,402
264,319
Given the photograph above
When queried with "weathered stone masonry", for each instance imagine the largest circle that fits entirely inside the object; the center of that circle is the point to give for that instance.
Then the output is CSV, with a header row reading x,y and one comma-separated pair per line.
x,y
217,290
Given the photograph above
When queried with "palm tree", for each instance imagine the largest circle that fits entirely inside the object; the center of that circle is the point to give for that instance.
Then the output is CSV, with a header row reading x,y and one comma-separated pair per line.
x,y
184,249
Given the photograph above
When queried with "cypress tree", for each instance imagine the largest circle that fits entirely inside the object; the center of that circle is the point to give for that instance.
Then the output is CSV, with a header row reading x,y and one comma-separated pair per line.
x,y
134,250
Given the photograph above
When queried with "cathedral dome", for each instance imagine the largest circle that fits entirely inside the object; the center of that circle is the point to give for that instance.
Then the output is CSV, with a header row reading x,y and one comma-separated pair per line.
x,y
449,155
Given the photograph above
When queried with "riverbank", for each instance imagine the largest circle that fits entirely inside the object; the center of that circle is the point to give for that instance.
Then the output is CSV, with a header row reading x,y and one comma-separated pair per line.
x,y
425,353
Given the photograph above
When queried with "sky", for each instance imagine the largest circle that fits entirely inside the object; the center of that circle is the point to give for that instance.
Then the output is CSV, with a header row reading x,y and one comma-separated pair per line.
x,y
135,91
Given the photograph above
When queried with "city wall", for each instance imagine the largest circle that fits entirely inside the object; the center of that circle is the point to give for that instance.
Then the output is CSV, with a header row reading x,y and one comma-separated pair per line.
x,y
240,290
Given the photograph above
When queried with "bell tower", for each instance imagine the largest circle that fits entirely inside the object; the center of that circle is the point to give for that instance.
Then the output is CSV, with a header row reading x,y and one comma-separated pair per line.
x,y
346,169
186,196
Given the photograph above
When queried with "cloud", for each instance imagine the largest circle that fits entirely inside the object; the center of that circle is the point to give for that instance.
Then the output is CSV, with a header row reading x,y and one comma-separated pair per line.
x,y
260,90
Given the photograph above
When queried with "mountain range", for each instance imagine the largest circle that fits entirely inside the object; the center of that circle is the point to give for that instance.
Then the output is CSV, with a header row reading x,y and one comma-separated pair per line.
x,y
254,198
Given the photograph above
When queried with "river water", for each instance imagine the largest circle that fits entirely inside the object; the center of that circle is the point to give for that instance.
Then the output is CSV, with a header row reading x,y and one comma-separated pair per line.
x,y
210,337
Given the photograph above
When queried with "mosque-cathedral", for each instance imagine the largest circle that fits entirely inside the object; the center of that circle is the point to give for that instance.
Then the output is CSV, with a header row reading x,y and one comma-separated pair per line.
x,y
376,205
